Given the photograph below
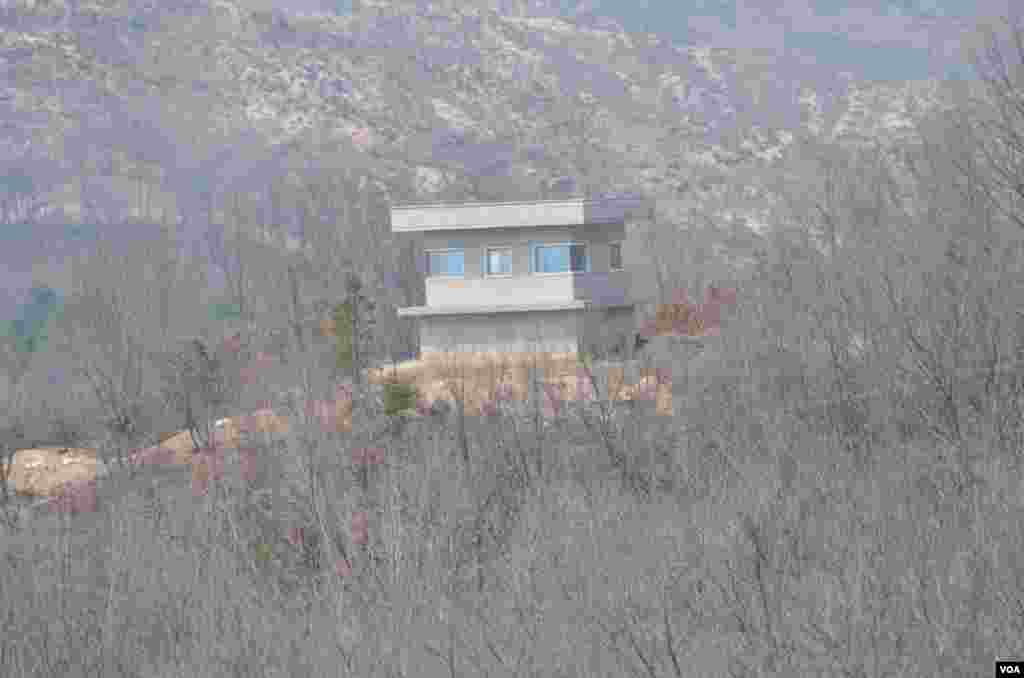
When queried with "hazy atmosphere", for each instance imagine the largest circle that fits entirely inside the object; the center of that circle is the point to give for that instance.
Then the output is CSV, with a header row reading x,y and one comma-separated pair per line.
x,y
228,447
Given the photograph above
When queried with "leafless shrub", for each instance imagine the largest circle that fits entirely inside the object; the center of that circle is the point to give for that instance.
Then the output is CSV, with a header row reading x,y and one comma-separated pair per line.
x,y
838,492
193,385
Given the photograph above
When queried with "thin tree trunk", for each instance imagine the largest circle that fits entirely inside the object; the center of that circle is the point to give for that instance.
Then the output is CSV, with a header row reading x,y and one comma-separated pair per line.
x,y
463,438
296,309
356,335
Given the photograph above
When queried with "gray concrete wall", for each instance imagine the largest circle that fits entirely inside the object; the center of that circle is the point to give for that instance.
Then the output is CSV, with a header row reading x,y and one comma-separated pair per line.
x,y
557,331
500,291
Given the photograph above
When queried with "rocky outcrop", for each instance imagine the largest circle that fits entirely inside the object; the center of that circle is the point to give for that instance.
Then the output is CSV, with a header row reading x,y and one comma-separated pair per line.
x,y
480,379
43,471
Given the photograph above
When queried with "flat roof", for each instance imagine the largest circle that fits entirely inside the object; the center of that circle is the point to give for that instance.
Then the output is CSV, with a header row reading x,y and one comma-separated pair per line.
x,y
480,309
464,203
410,218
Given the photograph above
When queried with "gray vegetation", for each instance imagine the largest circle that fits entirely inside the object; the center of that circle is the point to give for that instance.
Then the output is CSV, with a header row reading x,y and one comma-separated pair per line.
x,y
838,492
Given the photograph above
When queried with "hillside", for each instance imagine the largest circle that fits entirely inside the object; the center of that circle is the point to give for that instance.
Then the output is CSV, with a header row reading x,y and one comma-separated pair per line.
x,y
425,95
125,120
834,487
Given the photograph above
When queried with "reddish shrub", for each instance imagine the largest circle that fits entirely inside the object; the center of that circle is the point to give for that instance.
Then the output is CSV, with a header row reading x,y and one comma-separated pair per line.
x,y
247,462
76,496
503,391
710,314
319,408
361,137
552,402
213,458
647,391
220,436
343,568
584,385
297,536
326,411
360,527
200,483
368,455
153,455
721,295
331,424
343,392
233,344
247,423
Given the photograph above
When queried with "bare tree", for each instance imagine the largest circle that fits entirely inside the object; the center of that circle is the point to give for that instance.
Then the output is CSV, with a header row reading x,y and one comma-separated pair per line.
x,y
575,140
25,182
12,433
110,356
15,363
996,121
193,384
226,246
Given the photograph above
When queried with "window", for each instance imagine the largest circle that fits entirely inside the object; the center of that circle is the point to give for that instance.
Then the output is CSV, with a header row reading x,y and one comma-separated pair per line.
x,y
499,261
616,256
446,264
560,258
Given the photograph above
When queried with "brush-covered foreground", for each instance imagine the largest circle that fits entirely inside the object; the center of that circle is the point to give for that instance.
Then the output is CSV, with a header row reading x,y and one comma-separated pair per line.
x,y
625,544
479,381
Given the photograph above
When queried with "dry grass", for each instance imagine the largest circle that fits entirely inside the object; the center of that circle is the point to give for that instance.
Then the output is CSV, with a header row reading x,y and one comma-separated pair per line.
x,y
793,516
746,534
770,547
838,491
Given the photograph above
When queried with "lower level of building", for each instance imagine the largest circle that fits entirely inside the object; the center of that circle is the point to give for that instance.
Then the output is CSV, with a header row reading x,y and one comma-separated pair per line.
x,y
565,329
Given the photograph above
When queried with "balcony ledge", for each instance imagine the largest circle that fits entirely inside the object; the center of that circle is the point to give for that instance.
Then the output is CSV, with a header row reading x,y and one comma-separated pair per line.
x,y
421,311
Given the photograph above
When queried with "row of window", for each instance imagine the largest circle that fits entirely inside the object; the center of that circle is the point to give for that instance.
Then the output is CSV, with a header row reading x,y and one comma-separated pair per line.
x,y
557,258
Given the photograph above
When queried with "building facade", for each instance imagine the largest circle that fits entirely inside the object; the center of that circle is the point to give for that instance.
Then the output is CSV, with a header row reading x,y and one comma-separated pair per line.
x,y
544,276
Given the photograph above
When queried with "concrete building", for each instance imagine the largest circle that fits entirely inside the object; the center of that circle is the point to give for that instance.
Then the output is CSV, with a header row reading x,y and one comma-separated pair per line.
x,y
523,276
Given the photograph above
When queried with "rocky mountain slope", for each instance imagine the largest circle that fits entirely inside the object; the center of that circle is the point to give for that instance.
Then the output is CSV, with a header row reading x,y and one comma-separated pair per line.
x,y
429,96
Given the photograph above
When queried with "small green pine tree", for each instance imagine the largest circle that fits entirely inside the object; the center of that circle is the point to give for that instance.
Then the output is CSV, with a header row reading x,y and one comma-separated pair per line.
x,y
354,324
343,331
399,397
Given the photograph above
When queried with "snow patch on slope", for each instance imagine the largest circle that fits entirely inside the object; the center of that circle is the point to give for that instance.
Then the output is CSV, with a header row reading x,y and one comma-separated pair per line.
x,y
428,180
455,117
543,23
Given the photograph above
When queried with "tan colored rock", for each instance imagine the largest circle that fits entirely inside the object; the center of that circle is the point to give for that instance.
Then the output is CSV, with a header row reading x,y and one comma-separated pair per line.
x,y
474,377
164,436
43,471
227,433
182,444
265,421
